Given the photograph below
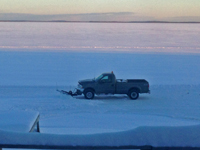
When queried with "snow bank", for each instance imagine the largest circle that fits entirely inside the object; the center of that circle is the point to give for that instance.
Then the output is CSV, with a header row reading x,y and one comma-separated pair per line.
x,y
162,136
86,123
112,130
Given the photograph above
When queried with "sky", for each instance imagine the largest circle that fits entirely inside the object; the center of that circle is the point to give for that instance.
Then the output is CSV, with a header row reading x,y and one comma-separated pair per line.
x,y
100,10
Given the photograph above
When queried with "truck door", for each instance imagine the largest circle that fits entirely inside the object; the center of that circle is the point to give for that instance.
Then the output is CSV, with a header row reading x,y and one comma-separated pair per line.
x,y
106,85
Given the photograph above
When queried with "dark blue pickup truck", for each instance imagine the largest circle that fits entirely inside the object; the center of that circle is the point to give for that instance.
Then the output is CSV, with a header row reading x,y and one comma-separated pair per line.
x,y
107,83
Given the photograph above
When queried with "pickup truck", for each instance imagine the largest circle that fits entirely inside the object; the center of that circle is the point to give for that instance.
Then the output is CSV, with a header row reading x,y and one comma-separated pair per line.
x,y
107,83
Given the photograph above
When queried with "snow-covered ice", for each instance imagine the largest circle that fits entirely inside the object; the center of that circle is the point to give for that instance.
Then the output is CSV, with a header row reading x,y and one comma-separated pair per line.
x,y
171,106
29,80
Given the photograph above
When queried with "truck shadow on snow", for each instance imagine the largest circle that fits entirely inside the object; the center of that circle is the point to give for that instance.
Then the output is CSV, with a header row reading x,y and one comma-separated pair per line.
x,y
113,97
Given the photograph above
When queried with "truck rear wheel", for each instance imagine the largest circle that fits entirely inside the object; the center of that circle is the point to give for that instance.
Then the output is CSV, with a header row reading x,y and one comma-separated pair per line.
x,y
89,94
133,94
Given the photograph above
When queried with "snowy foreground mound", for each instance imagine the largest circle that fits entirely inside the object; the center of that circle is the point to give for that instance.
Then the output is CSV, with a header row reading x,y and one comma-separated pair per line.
x,y
166,132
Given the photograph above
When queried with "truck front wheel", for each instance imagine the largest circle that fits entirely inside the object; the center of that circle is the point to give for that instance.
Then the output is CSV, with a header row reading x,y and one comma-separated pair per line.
x,y
133,94
89,94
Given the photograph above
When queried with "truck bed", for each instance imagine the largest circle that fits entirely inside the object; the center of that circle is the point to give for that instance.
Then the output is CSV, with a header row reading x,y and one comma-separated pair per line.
x,y
131,80
123,85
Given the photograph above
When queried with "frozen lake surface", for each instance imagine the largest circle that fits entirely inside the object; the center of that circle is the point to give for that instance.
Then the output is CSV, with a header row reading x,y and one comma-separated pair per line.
x,y
101,37
38,58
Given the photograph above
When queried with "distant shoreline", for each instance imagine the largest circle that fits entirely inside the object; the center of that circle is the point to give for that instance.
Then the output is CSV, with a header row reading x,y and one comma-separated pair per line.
x,y
63,21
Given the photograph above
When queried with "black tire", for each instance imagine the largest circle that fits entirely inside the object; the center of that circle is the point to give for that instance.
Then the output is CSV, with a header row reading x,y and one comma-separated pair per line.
x,y
133,94
89,94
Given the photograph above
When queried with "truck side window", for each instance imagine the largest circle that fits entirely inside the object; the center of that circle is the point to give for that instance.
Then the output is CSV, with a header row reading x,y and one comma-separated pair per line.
x,y
106,79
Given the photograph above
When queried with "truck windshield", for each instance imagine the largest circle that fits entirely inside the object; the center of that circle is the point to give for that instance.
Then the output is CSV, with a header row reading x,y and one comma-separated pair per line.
x,y
98,78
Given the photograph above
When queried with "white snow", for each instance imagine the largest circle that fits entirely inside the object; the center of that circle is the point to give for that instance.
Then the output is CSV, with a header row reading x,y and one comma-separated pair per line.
x,y
169,116
17,121
155,136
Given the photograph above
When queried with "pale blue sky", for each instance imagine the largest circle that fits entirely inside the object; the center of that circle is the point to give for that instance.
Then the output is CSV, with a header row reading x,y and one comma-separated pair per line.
x,y
121,10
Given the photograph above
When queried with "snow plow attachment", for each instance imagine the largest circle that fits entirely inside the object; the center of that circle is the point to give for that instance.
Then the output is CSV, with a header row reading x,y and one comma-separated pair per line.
x,y
75,93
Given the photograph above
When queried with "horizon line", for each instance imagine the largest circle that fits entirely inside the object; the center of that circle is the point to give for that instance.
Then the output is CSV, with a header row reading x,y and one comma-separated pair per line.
x,y
65,21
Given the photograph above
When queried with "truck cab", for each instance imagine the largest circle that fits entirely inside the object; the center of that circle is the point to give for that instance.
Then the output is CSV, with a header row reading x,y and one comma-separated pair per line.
x,y
105,83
